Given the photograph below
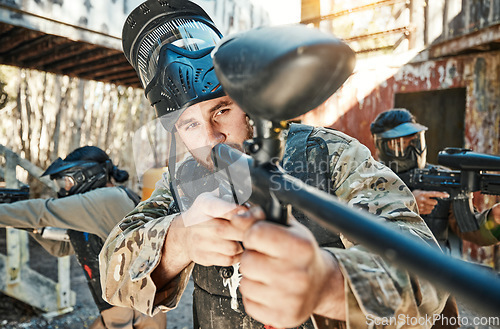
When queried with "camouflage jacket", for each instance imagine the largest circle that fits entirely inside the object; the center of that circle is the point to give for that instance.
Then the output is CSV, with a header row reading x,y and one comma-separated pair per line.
x,y
376,291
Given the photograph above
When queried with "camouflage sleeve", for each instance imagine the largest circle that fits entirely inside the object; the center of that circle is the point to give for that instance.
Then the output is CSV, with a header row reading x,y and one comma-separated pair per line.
x,y
482,237
133,250
376,289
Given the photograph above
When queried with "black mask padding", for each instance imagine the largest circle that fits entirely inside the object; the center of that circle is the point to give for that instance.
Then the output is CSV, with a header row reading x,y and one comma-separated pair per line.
x,y
193,179
87,177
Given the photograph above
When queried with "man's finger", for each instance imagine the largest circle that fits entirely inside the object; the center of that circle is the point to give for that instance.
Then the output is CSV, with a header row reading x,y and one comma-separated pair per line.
x,y
257,291
225,230
206,207
214,206
276,240
243,219
436,194
430,202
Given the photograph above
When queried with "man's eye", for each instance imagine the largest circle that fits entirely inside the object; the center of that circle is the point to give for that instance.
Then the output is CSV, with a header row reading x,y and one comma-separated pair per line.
x,y
222,111
191,126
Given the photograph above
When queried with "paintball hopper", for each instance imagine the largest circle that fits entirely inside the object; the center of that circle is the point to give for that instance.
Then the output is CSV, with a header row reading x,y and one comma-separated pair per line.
x,y
279,73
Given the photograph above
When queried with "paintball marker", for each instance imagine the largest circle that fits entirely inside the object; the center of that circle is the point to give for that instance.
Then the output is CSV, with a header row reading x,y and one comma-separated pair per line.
x,y
9,195
87,246
279,73
467,177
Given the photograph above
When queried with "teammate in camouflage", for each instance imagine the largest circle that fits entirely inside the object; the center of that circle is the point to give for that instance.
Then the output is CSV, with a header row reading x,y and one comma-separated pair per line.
x,y
400,142
287,276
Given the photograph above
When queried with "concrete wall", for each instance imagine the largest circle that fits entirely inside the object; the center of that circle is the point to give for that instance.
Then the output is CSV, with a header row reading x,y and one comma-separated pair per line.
x,y
370,91
454,53
379,77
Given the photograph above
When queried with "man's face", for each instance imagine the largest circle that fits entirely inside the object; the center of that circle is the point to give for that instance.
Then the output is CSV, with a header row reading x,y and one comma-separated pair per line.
x,y
400,145
211,122
400,150
65,182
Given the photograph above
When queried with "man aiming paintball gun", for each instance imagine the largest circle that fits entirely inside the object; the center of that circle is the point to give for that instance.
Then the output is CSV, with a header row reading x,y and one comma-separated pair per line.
x,y
248,272
400,143
88,207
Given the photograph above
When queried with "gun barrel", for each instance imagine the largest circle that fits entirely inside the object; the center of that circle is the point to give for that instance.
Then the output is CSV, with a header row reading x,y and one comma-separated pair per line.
x,y
490,184
464,159
456,276
461,278
8,195
432,180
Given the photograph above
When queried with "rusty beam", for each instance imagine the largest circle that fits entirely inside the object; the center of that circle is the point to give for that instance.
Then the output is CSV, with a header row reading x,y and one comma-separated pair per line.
x,y
16,38
36,48
471,41
91,54
310,9
404,30
5,28
115,76
60,54
369,50
353,10
97,65
125,67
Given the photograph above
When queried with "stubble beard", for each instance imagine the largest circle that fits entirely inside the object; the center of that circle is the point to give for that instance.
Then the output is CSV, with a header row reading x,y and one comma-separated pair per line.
x,y
208,163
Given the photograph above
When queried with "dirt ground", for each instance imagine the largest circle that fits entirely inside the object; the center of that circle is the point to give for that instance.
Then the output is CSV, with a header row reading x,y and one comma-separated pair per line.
x,y
17,315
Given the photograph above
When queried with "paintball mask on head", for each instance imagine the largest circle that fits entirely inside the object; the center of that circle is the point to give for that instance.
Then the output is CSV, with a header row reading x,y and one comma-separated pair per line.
x,y
73,177
400,140
169,42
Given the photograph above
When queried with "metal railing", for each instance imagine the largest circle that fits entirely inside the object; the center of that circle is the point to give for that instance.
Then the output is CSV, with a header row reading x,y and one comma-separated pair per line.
x,y
406,31
17,279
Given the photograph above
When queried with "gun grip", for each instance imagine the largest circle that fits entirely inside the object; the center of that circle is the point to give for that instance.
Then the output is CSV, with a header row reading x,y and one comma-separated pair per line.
x,y
464,213
276,212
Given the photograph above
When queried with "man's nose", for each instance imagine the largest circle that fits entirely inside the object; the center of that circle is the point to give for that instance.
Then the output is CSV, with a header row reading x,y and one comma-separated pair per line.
x,y
216,135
